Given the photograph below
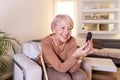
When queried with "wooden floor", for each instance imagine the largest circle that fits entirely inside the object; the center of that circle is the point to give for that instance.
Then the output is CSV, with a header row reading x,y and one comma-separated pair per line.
x,y
111,75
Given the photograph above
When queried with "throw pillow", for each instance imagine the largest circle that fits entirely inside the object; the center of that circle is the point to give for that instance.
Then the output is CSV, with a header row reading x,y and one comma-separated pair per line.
x,y
97,43
32,49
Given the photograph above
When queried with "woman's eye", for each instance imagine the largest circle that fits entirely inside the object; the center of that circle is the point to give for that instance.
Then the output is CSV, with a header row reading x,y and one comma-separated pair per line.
x,y
70,28
62,27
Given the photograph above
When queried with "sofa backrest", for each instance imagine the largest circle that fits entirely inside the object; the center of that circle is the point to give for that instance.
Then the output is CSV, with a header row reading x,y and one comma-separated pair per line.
x,y
106,43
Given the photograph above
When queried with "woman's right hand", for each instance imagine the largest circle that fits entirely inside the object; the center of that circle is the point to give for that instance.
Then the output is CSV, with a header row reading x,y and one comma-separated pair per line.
x,y
83,50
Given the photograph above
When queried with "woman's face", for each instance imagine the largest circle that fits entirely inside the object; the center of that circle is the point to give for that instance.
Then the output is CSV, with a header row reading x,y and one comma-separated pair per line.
x,y
63,31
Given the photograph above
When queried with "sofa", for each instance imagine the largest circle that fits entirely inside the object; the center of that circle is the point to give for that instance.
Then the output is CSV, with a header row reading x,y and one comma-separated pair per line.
x,y
107,48
26,67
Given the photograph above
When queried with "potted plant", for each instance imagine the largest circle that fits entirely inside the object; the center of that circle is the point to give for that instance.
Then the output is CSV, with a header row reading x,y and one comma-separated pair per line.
x,y
6,43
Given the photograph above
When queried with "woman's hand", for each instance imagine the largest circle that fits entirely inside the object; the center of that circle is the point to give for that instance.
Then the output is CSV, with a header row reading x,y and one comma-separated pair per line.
x,y
83,50
89,47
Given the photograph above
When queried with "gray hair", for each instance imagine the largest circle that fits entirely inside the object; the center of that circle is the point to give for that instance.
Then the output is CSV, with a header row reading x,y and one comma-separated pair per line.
x,y
60,17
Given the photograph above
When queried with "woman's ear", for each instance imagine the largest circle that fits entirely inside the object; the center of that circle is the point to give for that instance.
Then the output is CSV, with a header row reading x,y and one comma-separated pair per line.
x,y
53,31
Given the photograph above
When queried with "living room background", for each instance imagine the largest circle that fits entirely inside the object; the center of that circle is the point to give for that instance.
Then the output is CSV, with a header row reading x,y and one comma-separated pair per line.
x,y
30,19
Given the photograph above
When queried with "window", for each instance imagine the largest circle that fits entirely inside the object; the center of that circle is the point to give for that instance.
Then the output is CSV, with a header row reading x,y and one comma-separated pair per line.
x,y
66,7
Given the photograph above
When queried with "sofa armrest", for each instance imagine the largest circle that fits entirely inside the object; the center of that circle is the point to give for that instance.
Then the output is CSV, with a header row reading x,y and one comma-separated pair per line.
x,y
26,69
87,67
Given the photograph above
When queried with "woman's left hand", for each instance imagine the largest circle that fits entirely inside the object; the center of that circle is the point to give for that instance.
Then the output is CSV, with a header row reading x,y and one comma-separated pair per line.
x,y
89,46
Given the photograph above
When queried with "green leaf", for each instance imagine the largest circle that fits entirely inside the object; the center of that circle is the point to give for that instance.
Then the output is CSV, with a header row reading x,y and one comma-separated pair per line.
x,y
6,43
4,66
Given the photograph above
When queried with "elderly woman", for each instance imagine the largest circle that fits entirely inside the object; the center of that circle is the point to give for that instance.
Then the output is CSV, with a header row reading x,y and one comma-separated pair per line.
x,y
60,52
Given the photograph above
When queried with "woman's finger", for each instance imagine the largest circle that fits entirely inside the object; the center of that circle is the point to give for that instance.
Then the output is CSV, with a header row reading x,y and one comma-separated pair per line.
x,y
83,46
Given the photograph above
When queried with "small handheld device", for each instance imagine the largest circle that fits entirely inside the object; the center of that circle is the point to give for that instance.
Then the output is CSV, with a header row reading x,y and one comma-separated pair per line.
x,y
89,36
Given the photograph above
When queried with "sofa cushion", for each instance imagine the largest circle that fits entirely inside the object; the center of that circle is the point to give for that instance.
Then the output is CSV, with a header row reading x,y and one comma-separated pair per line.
x,y
109,52
112,52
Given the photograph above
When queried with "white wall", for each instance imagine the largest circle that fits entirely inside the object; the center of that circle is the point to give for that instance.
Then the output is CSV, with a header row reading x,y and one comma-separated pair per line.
x,y
26,19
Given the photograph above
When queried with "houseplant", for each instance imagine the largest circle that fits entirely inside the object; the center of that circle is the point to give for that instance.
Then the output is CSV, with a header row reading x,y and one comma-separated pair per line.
x,y
6,43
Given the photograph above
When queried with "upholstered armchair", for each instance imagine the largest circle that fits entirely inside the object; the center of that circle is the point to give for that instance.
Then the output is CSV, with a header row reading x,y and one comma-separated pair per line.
x,y
26,68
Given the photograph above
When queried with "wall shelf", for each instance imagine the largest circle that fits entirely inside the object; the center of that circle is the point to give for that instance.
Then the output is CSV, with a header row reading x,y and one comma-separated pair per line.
x,y
100,21
100,10
99,16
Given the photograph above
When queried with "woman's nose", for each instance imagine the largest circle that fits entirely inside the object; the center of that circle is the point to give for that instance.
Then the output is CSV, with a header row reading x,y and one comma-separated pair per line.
x,y
67,30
